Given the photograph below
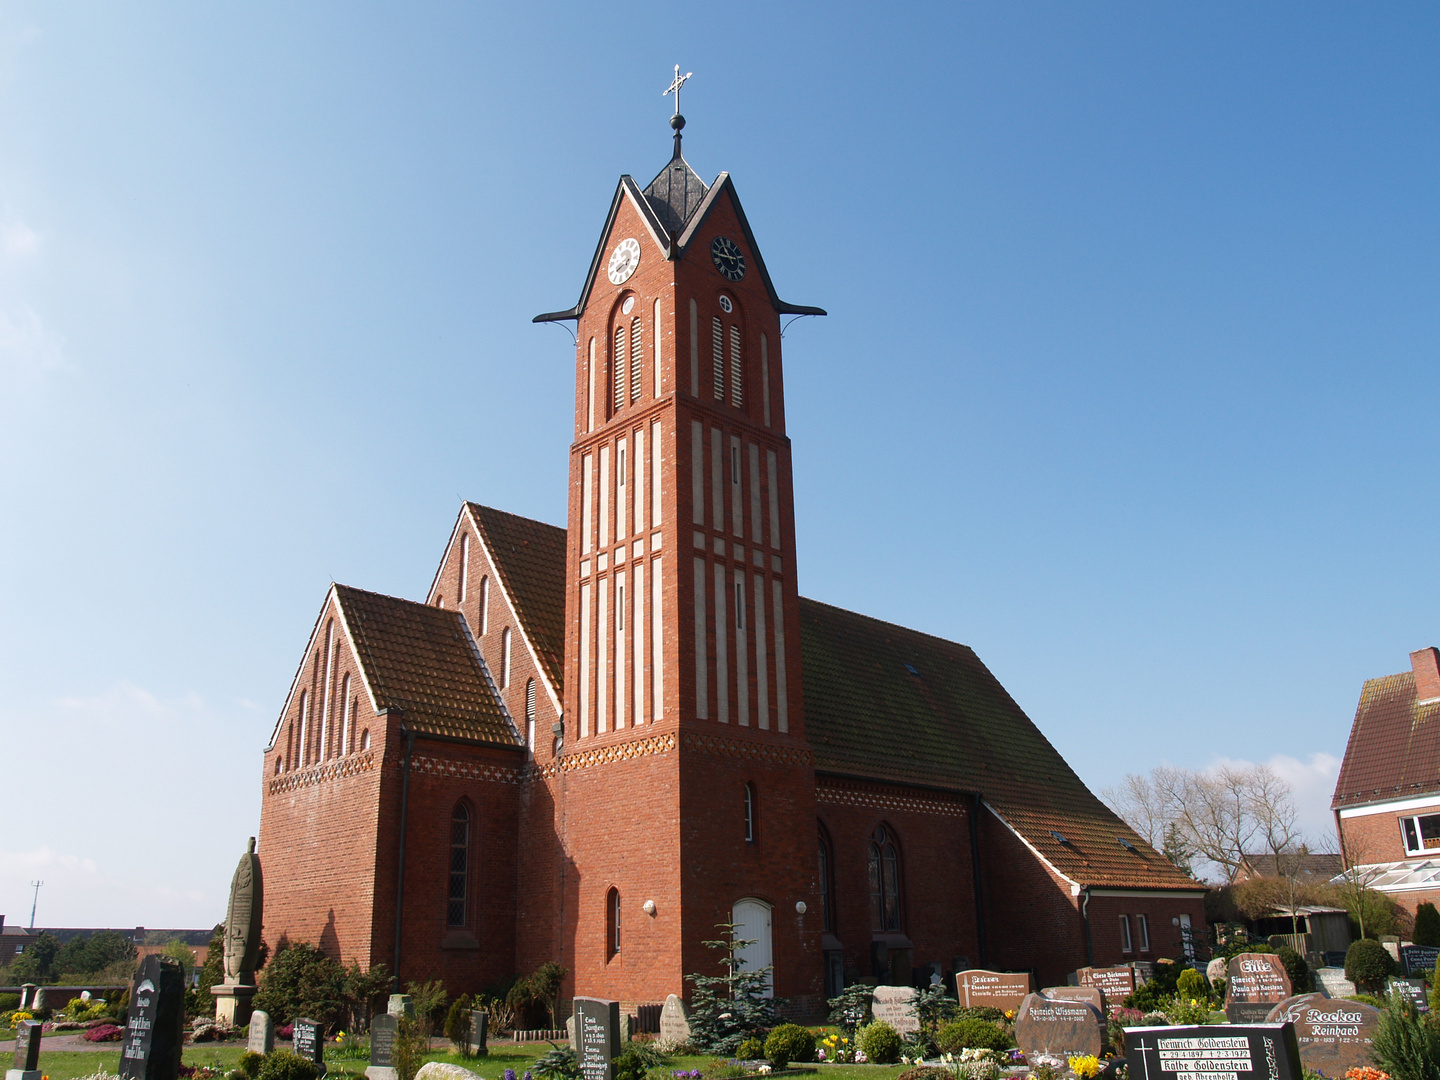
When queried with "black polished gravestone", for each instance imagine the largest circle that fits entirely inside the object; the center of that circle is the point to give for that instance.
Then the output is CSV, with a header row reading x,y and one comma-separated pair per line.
x,y
1419,959
27,1051
1218,1051
597,1036
479,1032
155,1031
309,1042
382,1047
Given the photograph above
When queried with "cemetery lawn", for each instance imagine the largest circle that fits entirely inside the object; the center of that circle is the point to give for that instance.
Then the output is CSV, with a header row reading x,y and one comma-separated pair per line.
x,y
71,1064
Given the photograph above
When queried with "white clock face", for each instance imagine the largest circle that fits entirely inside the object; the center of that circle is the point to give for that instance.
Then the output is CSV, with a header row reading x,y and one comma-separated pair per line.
x,y
624,261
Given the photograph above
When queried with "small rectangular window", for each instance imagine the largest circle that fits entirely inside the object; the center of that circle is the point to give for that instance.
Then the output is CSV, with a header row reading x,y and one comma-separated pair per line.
x,y
1125,944
1144,925
739,606
1420,833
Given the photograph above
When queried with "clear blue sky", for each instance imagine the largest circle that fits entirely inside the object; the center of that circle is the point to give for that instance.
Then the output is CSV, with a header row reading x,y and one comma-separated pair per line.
x,y
1129,379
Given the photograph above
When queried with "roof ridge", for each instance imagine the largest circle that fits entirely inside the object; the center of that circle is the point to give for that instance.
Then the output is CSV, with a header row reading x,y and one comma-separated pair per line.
x,y
887,622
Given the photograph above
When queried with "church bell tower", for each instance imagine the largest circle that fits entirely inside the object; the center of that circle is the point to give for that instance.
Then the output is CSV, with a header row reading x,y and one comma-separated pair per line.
x,y
685,791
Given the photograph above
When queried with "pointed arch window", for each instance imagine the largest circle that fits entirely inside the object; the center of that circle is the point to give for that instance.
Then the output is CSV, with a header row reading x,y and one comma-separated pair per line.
x,y
505,658
464,565
750,813
484,604
530,714
612,923
455,908
884,881
827,898
345,714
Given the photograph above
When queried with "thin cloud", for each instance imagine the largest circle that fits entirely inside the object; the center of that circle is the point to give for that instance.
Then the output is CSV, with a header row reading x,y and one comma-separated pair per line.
x,y
27,345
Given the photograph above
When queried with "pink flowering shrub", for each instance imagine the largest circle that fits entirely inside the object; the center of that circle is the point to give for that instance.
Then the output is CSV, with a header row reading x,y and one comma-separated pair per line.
x,y
105,1033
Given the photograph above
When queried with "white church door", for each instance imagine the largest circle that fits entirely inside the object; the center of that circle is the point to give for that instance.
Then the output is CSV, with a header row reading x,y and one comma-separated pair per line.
x,y
752,924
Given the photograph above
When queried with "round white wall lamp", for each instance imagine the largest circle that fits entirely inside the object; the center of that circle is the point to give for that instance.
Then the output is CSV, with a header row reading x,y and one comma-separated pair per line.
x,y
648,907
800,908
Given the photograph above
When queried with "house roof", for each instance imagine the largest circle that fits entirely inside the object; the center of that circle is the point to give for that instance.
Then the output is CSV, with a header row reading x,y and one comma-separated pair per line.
x,y
891,703
1394,748
422,661
529,556
1264,864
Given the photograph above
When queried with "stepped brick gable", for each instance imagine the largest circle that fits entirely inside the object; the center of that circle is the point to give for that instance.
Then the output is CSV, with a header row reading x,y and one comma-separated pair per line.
x,y
595,744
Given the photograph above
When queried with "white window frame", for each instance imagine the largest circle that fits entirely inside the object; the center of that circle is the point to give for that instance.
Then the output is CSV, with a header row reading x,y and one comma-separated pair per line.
x,y
1144,933
1126,943
1410,825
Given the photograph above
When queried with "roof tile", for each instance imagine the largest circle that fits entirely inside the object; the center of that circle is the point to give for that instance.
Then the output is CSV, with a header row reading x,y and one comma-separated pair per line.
x,y
1394,748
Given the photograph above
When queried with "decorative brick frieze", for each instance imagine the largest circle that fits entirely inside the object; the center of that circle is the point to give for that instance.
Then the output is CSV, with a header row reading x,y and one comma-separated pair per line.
x,y
584,759
323,773
466,770
719,746
875,797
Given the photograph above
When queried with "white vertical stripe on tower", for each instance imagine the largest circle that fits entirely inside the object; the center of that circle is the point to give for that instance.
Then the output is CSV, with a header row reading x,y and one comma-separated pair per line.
x,y
782,712
737,498
621,683
697,472
639,470
325,725
694,349
765,377
604,497
602,656
637,651
622,490
656,472
587,493
655,325
742,654
702,666
762,677
774,469
717,479
584,660
590,389
722,639
657,644
755,493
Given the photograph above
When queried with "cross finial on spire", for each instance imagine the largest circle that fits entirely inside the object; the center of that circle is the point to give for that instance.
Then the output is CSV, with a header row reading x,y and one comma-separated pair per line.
x,y
674,87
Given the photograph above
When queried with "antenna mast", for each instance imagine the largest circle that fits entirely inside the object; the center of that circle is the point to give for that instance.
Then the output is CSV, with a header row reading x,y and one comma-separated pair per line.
x,y
36,886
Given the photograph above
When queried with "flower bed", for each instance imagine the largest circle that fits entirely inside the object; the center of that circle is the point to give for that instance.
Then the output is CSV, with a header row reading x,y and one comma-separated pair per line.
x,y
105,1033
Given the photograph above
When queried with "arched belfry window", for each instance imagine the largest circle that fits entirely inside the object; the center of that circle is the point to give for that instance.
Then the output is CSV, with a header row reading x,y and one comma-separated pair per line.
x,y
612,923
827,899
530,714
884,881
459,865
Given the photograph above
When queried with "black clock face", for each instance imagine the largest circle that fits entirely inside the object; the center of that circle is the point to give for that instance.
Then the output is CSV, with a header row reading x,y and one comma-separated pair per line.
x,y
728,259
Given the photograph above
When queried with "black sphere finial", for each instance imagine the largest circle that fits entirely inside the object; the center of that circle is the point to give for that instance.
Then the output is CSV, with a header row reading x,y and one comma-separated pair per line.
x,y
677,121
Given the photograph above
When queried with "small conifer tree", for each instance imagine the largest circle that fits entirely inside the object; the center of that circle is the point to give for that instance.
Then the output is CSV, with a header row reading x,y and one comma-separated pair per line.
x,y
1427,925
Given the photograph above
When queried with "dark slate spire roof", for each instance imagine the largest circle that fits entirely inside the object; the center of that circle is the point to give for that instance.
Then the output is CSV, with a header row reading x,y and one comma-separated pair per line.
x,y
675,193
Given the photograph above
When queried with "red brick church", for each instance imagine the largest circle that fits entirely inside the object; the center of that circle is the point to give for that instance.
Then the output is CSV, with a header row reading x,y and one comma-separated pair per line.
x,y
594,743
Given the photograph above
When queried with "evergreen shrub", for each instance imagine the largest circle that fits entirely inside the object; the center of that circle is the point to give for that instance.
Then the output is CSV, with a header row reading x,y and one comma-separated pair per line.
x,y
249,1063
752,1049
1427,925
287,1065
879,1042
1367,964
968,1032
787,1043
1192,986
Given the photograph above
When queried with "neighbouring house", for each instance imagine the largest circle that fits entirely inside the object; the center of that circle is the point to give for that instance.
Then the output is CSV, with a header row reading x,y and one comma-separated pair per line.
x,y
595,743
1310,867
1306,928
1387,797
13,941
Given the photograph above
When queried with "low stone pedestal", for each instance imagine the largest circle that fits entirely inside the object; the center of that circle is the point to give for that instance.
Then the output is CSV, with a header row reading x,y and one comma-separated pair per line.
x,y
232,1004
22,1074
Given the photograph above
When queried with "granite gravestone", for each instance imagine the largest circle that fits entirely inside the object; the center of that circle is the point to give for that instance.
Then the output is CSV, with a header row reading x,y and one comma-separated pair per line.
x,y
1003,990
1412,990
896,1005
27,996
1215,1051
382,1047
309,1042
262,1032
1333,982
597,1035
479,1032
674,1024
401,1005
1059,1027
155,1032
1216,968
1257,983
1090,994
1334,1036
1116,983
27,1051
1419,959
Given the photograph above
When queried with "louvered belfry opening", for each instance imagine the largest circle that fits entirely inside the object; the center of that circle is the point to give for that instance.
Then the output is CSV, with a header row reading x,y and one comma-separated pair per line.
x,y
618,362
718,343
736,397
637,358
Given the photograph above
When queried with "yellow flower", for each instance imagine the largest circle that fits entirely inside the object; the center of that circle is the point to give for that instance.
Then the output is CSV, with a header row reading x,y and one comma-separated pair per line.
x,y
1085,1066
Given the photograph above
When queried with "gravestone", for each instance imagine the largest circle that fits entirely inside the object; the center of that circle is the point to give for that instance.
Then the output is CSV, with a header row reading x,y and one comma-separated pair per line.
x,y
401,1005
570,1032
262,1032
382,1047
308,1041
1218,1051
1334,1036
1116,983
242,942
155,1031
1419,959
1091,994
1413,990
1257,983
597,1030
1003,990
896,1005
674,1024
1059,1027
41,999
1216,968
479,1032
26,1065
1333,982
27,996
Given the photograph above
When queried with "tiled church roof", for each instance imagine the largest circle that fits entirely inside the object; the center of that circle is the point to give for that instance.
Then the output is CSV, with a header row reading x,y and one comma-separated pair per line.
x,y
674,194
1394,748
420,659
530,556
891,703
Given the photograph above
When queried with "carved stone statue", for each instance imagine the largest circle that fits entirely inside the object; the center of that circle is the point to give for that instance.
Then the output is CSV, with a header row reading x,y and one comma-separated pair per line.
x,y
242,920
242,941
